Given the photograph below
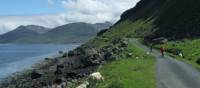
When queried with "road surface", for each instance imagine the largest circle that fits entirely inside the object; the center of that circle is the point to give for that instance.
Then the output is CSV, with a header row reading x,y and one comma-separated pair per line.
x,y
172,73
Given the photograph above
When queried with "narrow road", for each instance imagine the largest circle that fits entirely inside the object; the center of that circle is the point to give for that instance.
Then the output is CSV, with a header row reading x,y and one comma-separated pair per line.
x,y
172,73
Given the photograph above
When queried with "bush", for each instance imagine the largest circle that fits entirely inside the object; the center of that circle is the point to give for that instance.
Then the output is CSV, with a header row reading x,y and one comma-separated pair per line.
x,y
198,61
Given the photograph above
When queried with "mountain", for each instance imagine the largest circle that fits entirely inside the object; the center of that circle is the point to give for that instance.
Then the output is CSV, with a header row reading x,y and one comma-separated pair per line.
x,y
101,26
21,32
173,19
73,32
69,33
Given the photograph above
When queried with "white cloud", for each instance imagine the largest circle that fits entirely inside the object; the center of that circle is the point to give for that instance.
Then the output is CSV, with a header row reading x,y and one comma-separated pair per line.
x,y
50,2
8,23
91,11
99,10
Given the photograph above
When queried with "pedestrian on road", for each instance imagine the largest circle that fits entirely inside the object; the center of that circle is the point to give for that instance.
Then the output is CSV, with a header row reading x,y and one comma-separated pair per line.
x,y
162,50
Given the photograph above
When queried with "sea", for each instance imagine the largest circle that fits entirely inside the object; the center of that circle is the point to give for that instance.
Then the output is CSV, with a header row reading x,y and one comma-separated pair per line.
x,y
18,57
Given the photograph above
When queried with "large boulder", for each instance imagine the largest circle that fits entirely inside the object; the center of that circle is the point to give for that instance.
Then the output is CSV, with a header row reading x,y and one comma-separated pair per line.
x,y
58,81
91,57
96,76
35,75
71,53
71,74
83,85
91,51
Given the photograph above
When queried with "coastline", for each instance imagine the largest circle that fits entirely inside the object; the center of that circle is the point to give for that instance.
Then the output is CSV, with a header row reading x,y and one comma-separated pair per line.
x,y
9,69
42,66
70,68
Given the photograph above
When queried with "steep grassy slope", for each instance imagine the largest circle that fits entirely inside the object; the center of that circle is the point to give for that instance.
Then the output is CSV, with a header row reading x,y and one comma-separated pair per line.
x,y
170,18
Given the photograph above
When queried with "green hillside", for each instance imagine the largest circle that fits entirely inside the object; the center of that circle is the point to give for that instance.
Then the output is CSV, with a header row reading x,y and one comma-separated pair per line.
x,y
174,19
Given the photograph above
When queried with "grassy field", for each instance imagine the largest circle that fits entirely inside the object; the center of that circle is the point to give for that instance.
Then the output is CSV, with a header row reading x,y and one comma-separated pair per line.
x,y
129,72
189,47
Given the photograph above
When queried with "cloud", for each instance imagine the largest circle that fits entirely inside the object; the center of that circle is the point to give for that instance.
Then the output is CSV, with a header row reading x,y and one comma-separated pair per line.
x,y
50,2
90,11
99,10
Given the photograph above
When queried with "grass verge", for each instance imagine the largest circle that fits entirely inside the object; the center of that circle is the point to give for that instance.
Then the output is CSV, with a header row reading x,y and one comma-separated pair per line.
x,y
189,47
129,72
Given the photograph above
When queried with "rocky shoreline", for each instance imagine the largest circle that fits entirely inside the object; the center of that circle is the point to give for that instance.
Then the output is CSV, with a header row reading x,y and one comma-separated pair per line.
x,y
67,70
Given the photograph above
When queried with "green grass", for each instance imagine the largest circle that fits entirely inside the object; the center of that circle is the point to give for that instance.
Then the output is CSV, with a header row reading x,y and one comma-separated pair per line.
x,y
129,72
190,49
125,29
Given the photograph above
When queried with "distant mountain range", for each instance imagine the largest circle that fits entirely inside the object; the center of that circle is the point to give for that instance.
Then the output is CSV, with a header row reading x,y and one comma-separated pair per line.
x,y
69,33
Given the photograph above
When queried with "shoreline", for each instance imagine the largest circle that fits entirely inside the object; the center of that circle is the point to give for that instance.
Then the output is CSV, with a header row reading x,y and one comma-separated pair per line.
x,y
70,68
44,66
28,63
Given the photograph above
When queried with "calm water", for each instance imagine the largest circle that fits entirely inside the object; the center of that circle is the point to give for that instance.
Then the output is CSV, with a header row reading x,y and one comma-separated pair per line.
x,y
15,58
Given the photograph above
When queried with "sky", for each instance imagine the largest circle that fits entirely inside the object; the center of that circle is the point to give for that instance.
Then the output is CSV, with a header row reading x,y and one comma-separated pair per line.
x,y
53,13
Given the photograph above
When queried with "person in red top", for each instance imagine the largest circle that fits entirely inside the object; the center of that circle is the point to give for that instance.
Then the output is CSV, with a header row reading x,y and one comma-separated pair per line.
x,y
162,50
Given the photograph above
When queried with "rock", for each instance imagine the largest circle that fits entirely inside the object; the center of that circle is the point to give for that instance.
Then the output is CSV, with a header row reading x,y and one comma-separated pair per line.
x,y
56,86
60,66
91,57
58,72
43,83
64,55
90,52
47,59
116,50
124,44
108,55
64,85
71,74
129,54
71,53
83,85
81,75
60,52
75,81
58,81
12,86
116,41
96,76
35,75
198,61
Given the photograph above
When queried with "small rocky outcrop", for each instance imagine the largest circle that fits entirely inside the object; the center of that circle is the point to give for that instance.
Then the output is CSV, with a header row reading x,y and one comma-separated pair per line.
x,y
91,57
35,75
71,53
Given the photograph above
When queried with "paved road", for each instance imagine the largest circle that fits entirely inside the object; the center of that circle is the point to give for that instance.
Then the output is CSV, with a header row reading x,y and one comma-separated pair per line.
x,y
172,73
